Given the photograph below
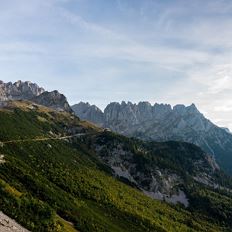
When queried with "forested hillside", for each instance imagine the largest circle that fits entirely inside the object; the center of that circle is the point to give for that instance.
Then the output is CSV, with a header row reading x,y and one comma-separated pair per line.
x,y
52,178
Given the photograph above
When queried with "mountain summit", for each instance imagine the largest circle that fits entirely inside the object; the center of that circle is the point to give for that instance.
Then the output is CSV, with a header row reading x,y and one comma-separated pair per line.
x,y
161,122
19,90
32,92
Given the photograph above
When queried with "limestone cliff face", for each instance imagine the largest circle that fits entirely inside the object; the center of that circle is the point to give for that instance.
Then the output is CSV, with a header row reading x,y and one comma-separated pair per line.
x,y
53,100
9,225
161,122
89,112
143,166
30,91
19,90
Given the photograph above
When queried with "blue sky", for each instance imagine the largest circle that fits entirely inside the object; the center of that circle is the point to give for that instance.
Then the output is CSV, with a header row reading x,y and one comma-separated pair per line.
x,y
170,51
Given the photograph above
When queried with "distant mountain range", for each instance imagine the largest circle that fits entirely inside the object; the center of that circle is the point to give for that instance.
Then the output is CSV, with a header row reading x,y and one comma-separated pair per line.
x,y
161,122
32,92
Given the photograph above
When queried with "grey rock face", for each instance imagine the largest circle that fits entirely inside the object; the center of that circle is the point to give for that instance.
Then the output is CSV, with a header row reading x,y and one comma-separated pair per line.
x,y
53,100
9,225
161,122
30,91
89,112
159,180
19,90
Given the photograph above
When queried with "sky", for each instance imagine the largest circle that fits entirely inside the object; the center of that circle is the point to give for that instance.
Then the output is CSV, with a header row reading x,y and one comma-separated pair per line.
x,y
100,51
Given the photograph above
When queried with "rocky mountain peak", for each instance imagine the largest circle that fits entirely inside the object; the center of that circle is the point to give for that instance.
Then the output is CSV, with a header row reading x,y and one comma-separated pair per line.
x,y
192,109
27,90
179,108
182,109
53,100
19,90
28,87
161,122
83,104
135,113
89,112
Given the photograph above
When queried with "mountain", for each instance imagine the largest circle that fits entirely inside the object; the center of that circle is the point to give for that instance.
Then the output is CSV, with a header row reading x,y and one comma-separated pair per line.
x,y
89,112
53,100
161,122
32,92
19,90
58,173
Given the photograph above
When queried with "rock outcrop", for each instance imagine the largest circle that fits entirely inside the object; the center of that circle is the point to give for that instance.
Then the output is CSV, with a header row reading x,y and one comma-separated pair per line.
x,y
89,112
53,100
19,90
142,166
9,225
32,92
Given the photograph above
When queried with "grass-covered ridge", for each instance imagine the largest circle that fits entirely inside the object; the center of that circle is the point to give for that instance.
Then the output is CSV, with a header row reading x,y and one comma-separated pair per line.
x,y
55,185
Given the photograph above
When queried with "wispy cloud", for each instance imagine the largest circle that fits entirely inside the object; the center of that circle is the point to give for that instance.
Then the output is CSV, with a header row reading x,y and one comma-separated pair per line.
x,y
172,51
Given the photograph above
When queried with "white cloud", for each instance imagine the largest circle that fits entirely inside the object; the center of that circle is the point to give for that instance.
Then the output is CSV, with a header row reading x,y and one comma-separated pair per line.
x,y
221,84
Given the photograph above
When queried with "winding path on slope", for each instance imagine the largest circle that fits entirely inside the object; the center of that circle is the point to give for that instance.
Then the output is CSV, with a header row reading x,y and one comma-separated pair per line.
x,y
6,223
43,139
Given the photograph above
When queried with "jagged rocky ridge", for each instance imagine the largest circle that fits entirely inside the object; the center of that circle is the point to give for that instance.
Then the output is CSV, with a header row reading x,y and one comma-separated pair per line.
x,y
32,92
161,122
89,112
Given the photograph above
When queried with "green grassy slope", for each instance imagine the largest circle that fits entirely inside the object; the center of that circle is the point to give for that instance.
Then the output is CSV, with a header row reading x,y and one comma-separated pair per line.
x,y
44,185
